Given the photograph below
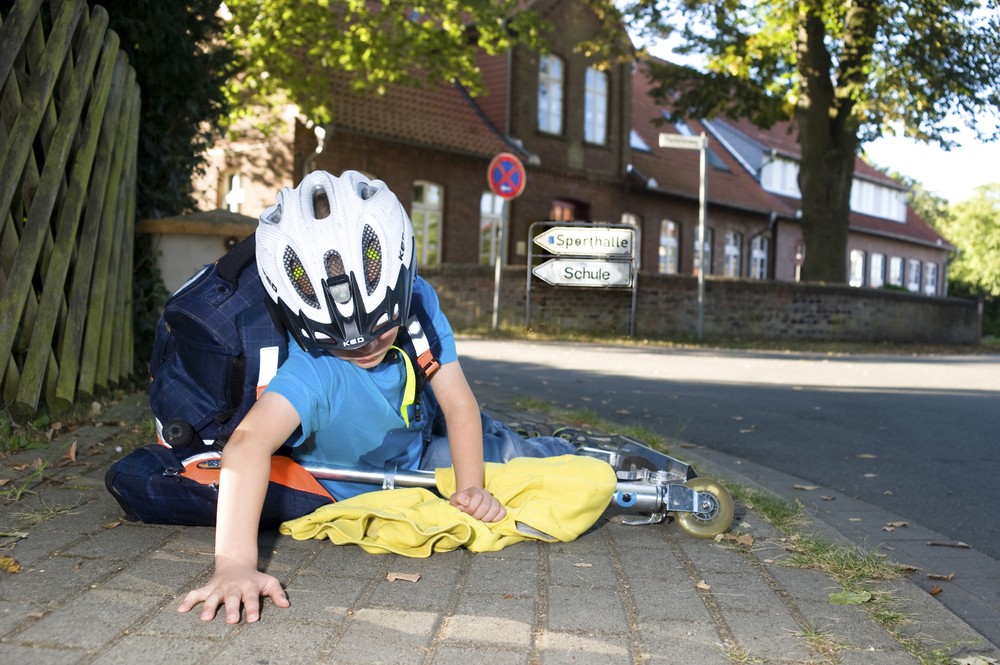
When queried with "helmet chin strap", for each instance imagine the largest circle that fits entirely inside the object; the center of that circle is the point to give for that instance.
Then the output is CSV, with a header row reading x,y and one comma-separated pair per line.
x,y
410,390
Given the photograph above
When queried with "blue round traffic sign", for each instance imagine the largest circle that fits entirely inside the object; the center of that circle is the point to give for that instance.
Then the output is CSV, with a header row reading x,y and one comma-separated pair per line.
x,y
506,176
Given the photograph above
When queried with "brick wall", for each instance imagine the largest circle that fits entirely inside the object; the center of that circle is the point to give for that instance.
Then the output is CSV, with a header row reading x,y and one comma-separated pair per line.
x,y
667,307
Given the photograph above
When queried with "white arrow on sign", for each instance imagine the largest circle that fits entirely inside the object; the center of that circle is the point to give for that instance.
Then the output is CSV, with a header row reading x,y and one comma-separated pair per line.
x,y
680,141
587,240
580,272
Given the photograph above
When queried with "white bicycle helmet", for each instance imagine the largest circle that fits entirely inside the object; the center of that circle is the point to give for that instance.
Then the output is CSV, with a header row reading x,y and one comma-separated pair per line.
x,y
337,256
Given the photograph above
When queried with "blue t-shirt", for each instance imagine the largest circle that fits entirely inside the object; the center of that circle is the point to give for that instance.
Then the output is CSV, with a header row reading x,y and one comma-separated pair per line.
x,y
351,416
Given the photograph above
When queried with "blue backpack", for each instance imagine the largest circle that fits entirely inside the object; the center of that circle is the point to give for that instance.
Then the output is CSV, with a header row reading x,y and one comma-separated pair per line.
x,y
217,345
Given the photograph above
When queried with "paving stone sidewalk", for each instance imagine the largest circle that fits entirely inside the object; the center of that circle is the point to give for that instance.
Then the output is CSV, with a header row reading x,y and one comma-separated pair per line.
x,y
94,589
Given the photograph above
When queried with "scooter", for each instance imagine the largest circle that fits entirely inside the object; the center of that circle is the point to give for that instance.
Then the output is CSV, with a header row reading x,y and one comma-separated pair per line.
x,y
650,483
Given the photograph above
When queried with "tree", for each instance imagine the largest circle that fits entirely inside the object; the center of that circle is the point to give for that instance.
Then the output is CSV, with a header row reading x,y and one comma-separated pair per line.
x,y
845,72
294,49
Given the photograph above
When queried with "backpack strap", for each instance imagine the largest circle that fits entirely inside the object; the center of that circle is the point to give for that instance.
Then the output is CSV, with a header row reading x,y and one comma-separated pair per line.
x,y
230,265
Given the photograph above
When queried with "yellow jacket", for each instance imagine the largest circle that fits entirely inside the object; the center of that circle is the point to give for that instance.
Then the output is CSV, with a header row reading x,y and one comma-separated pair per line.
x,y
550,499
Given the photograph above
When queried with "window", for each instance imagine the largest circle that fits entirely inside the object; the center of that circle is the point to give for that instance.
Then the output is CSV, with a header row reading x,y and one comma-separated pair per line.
x,y
427,213
233,194
550,94
895,271
595,107
781,176
709,238
877,200
732,262
876,270
913,276
857,274
565,210
490,223
759,249
930,279
669,261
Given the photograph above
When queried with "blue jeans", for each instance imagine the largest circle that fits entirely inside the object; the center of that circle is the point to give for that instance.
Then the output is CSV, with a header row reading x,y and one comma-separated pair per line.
x,y
500,444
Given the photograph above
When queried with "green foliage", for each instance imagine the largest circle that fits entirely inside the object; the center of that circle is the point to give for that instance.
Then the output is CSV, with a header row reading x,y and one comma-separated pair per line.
x,y
294,48
181,66
973,226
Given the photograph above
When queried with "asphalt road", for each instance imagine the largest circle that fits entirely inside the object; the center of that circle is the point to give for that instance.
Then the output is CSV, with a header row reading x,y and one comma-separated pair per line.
x,y
916,436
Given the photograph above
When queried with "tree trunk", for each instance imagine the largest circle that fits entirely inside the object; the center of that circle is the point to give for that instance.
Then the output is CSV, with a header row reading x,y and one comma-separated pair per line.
x,y
828,139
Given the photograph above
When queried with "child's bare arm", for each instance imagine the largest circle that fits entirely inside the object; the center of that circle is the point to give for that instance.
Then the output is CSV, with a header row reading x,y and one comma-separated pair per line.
x,y
246,466
465,440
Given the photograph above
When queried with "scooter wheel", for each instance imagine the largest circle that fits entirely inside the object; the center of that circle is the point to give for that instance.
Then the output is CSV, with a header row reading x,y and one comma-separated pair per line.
x,y
716,510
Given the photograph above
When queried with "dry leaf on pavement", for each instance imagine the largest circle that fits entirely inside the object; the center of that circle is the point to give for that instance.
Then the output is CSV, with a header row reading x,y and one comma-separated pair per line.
x,y
9,564
405,577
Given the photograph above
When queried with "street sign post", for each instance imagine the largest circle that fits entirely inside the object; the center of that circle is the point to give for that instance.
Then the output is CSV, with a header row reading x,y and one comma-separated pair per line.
x,y
584,254
506,178
699,143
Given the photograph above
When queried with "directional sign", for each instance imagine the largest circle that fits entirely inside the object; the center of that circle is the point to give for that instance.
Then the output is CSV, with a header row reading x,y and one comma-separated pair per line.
x,y
680,141
587,241
581,272
506,176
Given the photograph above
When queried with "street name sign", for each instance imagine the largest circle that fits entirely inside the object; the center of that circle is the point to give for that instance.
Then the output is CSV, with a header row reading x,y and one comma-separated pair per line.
x,y
581,272
680,141
587,241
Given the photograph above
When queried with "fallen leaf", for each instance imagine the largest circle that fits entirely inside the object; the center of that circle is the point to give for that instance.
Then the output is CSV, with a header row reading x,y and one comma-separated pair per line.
x,y
888,528
71,453
935,590
906,568
704,586
867,456
947,578
687,445
938,543
807,488
4,481
745,539
871,475
849,597
583,565
897,525
887,493
405,577
9,564
828,498
112,525
853,519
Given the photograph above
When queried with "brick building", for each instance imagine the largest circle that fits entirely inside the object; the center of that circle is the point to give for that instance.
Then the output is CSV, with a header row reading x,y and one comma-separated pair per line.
x,y
588,138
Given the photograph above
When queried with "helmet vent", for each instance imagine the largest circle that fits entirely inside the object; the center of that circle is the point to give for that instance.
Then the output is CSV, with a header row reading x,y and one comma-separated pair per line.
x,y
274,216
334,264
321,204
371,252
366,191
300,280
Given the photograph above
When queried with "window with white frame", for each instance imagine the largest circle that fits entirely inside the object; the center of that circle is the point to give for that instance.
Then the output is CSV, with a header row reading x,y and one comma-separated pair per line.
x,y
733,259
427,215
233,194
669,250
876,270
550,94
759,250
706,252
595,107
913,276
857,272
895,271
490,223
930,279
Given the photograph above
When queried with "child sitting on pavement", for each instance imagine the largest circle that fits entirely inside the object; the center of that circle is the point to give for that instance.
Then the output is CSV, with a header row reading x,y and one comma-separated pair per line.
x,y
337,257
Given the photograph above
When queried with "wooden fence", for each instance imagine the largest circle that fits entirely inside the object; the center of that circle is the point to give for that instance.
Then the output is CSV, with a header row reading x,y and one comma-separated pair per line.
x,y
69,120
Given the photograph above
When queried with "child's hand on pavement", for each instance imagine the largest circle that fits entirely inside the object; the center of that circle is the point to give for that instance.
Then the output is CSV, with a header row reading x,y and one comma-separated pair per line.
x,y
234,586
478,503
